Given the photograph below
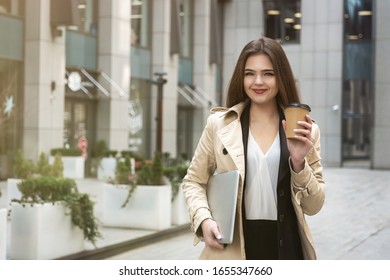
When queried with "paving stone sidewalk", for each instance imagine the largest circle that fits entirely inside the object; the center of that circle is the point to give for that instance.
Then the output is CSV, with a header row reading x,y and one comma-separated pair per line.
x,y
354,223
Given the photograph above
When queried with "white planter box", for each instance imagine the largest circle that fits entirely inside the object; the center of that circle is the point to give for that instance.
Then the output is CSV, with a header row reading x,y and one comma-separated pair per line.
x,y
12,190
43,231
179,209
106,169
149,207
73,166
3,233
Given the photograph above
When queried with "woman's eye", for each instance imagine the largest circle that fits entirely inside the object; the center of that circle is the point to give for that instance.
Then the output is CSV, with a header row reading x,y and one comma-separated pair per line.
x,y
269,74
248,74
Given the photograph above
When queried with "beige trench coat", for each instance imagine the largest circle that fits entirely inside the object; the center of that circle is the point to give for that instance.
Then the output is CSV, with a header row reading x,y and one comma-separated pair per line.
x,y
223,131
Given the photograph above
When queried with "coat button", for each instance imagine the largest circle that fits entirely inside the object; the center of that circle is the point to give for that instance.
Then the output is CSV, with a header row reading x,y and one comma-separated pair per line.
x,y
281,243
281,217
281,193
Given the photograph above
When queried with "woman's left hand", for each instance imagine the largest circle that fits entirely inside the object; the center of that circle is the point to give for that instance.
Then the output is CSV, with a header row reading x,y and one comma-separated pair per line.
x,y
301,144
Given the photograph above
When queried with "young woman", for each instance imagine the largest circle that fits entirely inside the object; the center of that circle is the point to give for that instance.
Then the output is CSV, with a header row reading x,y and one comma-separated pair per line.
x,y
280,179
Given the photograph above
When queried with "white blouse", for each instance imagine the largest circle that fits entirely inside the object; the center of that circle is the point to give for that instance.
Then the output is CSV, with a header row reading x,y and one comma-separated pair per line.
x,y
261,180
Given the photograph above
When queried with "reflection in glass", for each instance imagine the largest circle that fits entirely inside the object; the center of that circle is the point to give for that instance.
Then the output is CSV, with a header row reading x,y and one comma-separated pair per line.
x,y
358,95
11,113
282,20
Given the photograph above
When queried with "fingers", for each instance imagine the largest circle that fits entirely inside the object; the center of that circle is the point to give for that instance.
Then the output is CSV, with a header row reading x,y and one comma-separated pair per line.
x,y
211,234
304,132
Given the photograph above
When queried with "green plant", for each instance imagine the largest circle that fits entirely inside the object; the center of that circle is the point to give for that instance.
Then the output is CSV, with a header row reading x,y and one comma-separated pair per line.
x,y
99,149
43,167
23,168
175,175
57,168
70,152
123,176
110,153
53,189
151,174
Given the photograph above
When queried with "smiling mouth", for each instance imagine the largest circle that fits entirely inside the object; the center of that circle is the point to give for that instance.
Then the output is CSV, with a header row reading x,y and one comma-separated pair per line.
x,y
259,91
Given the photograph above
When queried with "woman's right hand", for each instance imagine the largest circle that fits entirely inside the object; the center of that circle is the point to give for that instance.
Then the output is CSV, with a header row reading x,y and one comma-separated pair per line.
x,y
211,234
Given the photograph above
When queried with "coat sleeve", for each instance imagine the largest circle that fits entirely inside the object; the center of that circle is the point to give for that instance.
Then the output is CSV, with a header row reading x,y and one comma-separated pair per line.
x,y
202,166
308,184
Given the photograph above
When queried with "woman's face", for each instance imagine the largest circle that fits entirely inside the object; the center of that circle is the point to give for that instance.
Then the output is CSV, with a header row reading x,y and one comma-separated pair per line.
x,y
259,79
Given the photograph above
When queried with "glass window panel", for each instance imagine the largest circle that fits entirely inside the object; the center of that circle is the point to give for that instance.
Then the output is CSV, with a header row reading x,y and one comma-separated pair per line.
x,y
12,7
140,23
11,114
87,17
282,19
140,139
358,94
185,16
358,20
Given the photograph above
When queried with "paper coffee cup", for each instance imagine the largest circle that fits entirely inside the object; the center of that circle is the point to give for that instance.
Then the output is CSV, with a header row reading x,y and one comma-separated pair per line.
x,y
295,112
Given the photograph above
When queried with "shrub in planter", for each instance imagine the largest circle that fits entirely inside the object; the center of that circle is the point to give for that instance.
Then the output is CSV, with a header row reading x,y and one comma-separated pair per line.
x,y
148,175
99,149
123,176
44,168
72,161
23,168
146,197
45,189
110,153
107,165
66,152
175,170
151,174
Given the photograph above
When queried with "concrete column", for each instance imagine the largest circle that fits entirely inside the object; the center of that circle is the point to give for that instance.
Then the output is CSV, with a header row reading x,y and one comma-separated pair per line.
x,y
204,73
163,61
243,23
43,118
317,65
114,60
381,129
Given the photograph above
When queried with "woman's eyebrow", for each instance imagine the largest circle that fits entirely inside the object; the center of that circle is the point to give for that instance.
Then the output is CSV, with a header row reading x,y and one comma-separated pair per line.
x,y
264,70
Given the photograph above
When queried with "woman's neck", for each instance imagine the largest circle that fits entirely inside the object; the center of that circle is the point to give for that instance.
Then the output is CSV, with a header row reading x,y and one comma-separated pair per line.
x,y
260,113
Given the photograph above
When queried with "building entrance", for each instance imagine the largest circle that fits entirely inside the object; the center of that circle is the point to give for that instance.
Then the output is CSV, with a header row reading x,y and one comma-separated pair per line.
x,y
79,121
358,94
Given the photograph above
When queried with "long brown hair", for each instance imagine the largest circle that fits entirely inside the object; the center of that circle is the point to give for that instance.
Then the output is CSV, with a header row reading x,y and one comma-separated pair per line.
x,y
288,92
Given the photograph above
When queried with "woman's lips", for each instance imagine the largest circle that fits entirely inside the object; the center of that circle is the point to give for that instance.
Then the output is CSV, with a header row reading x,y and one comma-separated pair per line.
x,y
259,91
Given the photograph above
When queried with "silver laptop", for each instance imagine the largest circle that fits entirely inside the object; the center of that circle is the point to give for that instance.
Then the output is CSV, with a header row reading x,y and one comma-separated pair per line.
x,y
222,191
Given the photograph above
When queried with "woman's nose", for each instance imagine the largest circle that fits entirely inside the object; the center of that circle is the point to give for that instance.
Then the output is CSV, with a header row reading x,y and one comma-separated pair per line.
x,y
258,79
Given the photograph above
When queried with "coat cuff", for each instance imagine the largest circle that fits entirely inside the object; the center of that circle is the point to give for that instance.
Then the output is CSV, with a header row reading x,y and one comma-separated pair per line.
x,y
200,215
301,179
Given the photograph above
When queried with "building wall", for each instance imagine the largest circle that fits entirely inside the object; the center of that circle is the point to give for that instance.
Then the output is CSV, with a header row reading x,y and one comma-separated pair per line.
x,y
381,131
44,62
317,64
164,62
242,23
114,60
